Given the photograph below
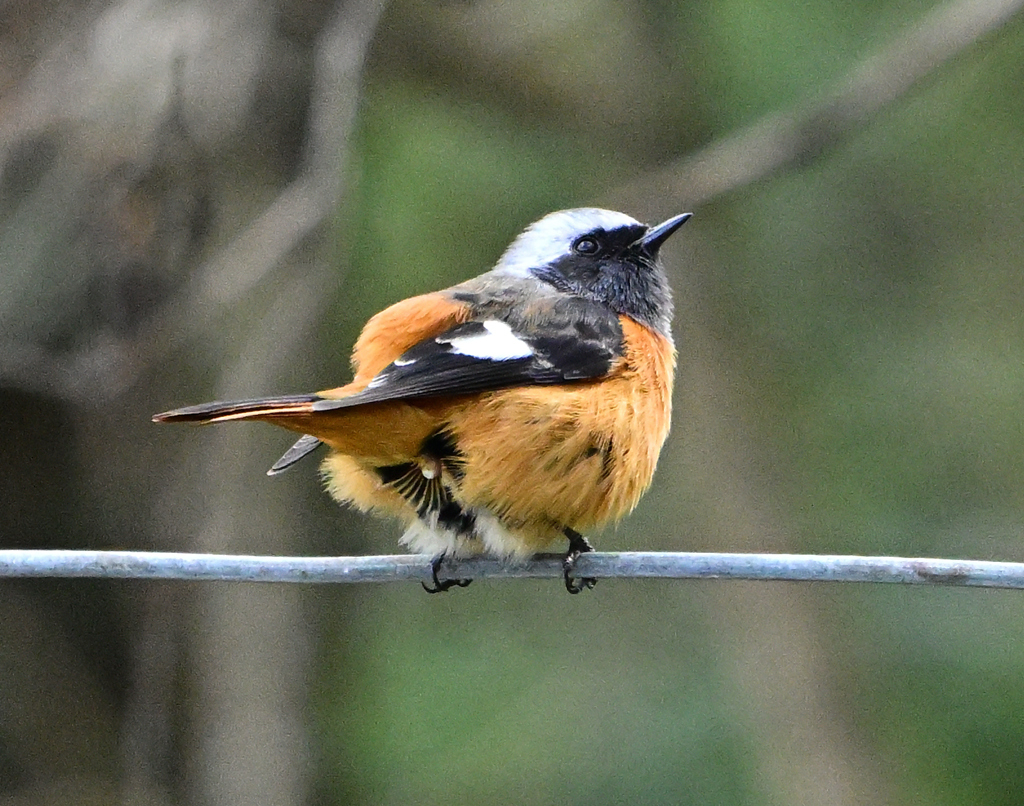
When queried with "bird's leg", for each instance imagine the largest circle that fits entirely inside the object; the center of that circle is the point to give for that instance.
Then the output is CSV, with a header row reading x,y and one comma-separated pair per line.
x,y
448,584
578,545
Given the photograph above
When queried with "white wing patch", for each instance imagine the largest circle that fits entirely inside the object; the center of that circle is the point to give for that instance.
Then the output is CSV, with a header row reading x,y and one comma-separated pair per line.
x,y
497,343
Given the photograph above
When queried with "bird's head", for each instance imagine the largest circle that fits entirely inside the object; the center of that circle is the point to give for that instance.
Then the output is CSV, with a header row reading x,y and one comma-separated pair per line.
x,y
601,255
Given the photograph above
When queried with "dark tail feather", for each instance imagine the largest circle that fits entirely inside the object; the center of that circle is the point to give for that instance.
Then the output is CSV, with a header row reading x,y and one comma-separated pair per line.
x,y
219,411
306,445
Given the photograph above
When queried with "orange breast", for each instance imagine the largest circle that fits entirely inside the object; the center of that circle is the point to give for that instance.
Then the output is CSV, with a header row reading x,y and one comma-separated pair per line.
x,y
577,455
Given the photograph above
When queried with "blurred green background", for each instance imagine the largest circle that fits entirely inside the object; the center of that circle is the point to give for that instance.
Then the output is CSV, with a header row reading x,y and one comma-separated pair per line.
x,y
207,200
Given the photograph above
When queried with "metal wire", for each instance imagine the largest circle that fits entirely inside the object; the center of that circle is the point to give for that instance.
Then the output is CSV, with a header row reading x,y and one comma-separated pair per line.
x,y
600,565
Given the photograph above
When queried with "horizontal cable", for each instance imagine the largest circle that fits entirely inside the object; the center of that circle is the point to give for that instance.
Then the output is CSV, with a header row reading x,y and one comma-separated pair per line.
x,y
600,565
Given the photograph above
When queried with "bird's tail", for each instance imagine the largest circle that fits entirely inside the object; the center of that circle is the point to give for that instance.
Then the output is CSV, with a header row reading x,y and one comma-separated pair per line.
x,y
264,408
283,410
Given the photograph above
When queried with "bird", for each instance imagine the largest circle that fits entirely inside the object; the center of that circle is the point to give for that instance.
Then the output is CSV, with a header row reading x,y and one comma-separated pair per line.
x,y
494,417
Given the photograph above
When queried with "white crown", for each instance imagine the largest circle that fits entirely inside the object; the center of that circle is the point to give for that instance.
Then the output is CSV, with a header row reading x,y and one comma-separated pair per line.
x,y
552,237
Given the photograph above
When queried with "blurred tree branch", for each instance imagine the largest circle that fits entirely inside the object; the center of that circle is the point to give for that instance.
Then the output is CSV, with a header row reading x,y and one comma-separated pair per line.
x,y
797,136
100,369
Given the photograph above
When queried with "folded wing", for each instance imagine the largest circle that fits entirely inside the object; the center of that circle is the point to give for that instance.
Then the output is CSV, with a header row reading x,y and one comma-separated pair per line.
x,y
492,354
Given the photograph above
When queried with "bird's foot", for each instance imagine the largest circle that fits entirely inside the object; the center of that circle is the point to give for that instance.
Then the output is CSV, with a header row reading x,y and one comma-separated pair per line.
x,y
439,585
578,545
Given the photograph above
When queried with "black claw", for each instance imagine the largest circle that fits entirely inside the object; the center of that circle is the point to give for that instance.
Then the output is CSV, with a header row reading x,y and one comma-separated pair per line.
x,y
578,545
448,584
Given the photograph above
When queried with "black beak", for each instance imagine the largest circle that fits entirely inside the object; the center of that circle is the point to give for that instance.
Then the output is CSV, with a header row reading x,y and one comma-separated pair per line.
x,y
656,236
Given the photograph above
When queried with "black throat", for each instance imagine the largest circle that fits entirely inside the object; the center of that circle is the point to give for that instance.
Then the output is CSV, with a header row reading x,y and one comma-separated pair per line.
x,y
630,283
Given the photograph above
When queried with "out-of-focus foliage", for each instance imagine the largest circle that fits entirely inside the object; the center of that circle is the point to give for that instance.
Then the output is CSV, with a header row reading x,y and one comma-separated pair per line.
x,y
851,380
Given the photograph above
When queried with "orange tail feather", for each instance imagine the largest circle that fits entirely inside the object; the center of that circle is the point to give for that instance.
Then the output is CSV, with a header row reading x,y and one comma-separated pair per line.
x,y
224,411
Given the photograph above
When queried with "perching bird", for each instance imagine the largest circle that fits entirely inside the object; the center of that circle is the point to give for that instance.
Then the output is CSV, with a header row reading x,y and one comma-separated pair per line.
x,y
507,411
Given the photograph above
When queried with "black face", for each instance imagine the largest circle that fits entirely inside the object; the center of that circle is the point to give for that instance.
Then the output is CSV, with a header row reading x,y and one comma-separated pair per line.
x,y
613,267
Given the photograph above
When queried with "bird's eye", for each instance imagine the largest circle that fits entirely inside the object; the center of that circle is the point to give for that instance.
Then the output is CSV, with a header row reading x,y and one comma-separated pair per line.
x,y
586,246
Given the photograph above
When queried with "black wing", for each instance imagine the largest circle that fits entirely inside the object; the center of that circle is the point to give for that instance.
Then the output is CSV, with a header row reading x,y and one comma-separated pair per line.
x,y
571,343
